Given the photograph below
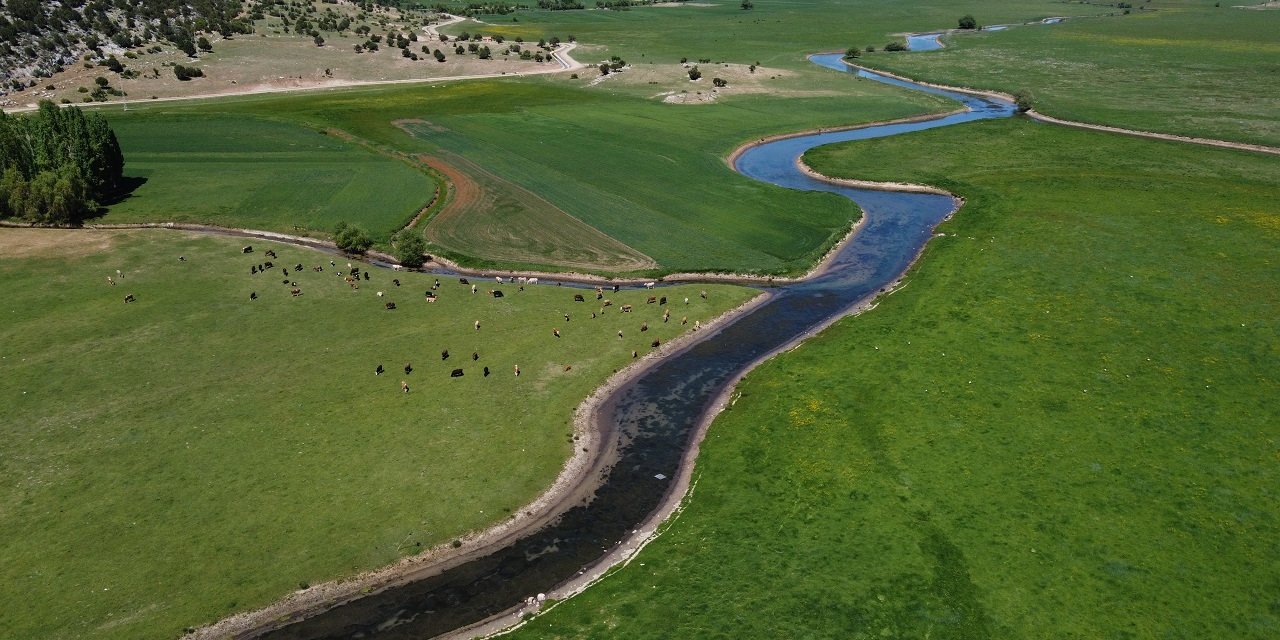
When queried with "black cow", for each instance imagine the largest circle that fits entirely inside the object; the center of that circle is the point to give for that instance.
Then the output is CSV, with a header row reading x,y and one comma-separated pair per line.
x,y
269,265
247,249
253,295
129,298
463,281
366,275
253,268
286,272
444,355
298,267
378,371
475,355
395,281
408,368
457,373
431,295
486,372
390,306
271,253
497,293
577,297
655,344
662,300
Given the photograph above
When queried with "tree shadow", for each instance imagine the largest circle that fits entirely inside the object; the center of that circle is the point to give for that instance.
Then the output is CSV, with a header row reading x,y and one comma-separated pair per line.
x,y
125,191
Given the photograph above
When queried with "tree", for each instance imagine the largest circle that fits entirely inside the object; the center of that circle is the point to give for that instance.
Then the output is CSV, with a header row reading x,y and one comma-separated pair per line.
x,y
318,40
351,238
1022,99
439,55
852,52
204,44
694,74
967,22
896,46
719,82
604,68
409,247
747,5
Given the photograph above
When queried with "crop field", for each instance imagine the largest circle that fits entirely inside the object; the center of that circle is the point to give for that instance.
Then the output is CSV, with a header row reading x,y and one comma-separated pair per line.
x,y
1186,67
1063,425
196,453
610,161
238,171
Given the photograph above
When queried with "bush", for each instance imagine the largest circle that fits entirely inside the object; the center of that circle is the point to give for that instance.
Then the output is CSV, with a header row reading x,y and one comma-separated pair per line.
x,y
896,46
694,74
351,238
967,22
1022,99
719,82
186,73
409,247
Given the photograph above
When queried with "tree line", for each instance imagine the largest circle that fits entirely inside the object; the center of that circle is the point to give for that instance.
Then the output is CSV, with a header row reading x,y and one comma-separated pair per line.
x,y
57,165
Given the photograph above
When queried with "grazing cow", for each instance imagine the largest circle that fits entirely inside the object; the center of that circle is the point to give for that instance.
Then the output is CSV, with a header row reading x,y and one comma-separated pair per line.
x,y
253,295
684,320
332,263
431,296
593,315
379,370
497,293
285,281
473,288
460,281
607,303
697,324
119,274
396,267
499,279
246,249
649,285
475,355
566,317
555,332
522,280
651,300
390,306
577,297
366,275
655,343
517,371
599,294
486,372
477,325
271,253
533,281
355,271
129,298
379,294
662,300
444,355
269,265
568,367
286,272
644,326
253,269
615,288
404,386
666,315
182,258
295,291
619,334
686,301
457,373
626,308
408,368
634,354
703,293
436,284
111,281
395,281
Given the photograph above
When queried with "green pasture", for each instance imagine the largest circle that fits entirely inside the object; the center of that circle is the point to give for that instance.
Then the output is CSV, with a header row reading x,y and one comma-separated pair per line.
x,y
776,33
1063,425
1184,67
647,174
251,171
192,454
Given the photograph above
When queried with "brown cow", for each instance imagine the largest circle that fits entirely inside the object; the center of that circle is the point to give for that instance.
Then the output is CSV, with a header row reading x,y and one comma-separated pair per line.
x,y
626,308
390,306
296,292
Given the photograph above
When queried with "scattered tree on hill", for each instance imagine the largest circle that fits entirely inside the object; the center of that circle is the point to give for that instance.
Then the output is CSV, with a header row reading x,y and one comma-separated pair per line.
x,y
318,40
852,52
409,247
967,22
439,55
57,164
187,73
204,44
747,5
694,74
604,68
351,238
719,82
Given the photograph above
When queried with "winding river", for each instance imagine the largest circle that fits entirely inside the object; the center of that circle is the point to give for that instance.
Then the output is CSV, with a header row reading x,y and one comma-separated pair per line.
x,y
654,418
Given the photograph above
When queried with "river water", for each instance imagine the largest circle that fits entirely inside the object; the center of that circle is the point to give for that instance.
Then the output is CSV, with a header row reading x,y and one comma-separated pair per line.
x,y
655,416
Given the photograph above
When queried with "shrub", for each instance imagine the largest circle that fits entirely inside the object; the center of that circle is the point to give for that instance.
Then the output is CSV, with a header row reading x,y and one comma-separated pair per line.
x,y
896,46
409,247
351,238
967,22
694,74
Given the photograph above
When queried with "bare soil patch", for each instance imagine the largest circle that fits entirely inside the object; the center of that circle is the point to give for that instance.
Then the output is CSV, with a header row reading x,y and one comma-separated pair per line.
x,y
42,243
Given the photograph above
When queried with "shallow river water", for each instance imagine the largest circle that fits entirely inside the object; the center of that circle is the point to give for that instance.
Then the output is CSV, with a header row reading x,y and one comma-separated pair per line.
x,y
656,415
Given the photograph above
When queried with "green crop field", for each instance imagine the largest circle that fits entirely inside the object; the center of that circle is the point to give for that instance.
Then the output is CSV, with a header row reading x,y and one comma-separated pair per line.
x,y
1186,67
262,174
1063,426
194,453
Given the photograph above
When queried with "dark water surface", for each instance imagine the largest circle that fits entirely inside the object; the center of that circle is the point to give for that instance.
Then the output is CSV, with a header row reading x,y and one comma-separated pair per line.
x,y
656,415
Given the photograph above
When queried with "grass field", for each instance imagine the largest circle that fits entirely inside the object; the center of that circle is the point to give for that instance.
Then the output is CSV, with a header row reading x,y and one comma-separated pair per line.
x,y
195,453
1063,426
1187,67
649,175
259,173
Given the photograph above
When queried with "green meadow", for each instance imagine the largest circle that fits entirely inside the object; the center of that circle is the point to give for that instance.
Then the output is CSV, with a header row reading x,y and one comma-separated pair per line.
x,y
1063,425
195,453
1183,66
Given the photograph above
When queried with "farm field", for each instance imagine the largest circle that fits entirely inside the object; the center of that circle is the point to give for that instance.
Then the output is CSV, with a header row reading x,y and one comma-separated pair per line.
x,y
195,453
648,175
1187,67
1063,425
264,174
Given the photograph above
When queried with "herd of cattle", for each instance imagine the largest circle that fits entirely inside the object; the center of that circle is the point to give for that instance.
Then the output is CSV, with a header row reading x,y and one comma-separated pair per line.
x,y
353,276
